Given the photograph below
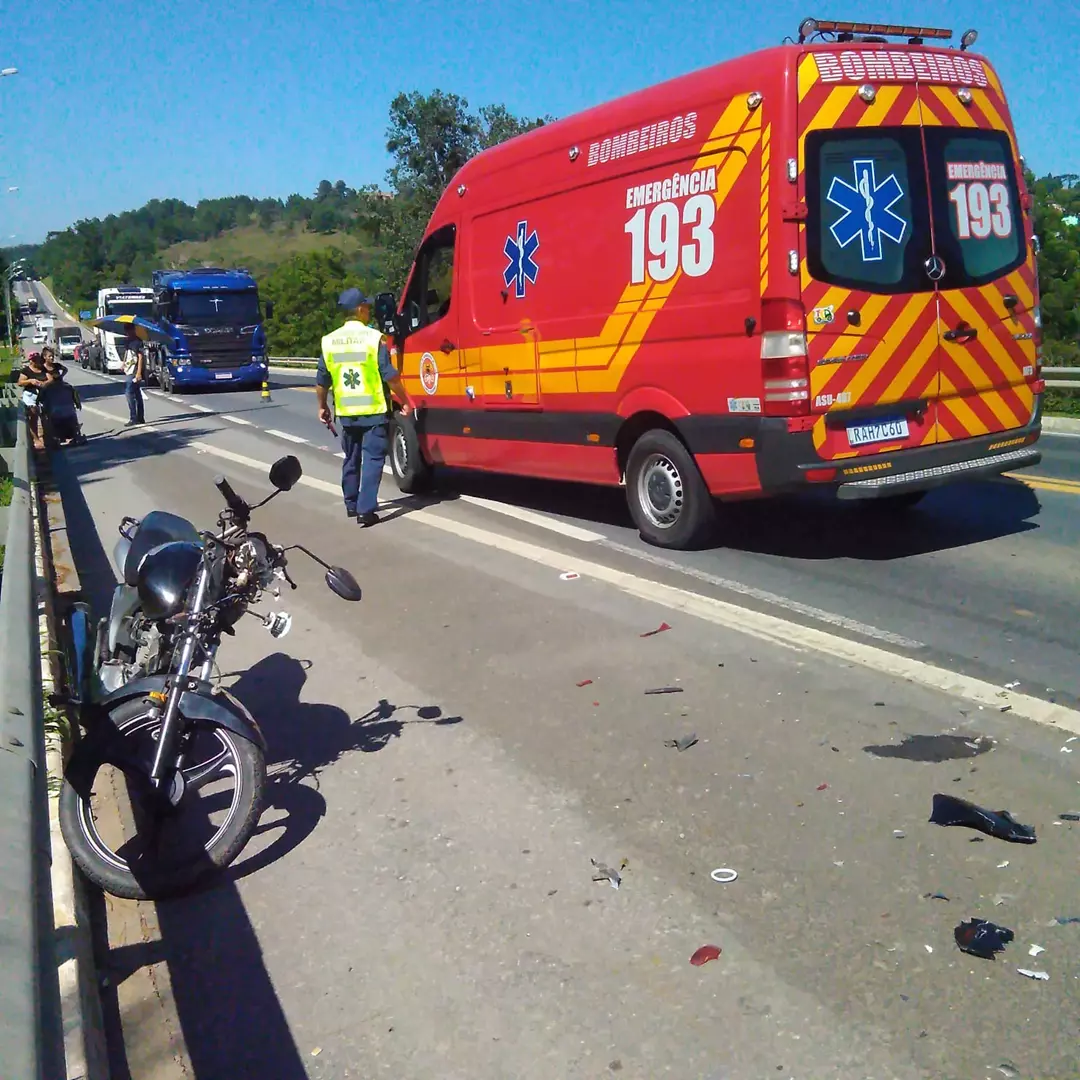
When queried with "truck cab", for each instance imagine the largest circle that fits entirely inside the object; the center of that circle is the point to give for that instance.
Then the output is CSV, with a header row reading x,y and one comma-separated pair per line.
x,y
216,322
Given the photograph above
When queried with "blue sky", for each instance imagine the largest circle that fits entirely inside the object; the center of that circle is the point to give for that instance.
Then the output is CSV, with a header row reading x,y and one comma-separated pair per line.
x,y
117,102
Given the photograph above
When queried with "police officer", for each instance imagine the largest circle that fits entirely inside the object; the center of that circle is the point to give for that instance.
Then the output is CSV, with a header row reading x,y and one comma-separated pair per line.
x,y
355,364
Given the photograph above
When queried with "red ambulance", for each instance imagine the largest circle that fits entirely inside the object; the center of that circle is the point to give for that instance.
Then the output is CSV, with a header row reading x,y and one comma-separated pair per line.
x,y
811,266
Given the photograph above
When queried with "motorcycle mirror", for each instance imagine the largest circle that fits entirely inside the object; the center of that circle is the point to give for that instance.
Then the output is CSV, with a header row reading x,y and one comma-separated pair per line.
x,y
343,583
285,472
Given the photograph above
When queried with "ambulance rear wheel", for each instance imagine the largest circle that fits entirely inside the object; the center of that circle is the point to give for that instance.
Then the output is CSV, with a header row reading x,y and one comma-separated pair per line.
x,y
669,502
411,472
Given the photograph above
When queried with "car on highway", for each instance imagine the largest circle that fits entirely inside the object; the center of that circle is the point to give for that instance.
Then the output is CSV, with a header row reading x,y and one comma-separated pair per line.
x,y
40,337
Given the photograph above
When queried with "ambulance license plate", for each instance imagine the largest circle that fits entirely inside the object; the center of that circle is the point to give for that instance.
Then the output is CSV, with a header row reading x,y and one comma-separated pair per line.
x,y
879,431
222,374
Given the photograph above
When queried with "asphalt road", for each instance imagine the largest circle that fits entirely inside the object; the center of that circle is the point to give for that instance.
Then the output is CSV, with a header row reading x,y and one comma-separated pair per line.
x,y
981,578
420,899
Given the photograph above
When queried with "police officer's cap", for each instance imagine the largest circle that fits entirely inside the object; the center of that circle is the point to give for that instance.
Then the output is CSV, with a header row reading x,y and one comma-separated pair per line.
x,y
351,299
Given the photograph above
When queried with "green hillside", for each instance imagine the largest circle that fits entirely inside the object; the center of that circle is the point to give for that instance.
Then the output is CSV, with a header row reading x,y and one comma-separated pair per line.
x,y
261,250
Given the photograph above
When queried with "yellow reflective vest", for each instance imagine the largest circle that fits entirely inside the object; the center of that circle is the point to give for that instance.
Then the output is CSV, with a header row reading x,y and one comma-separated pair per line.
x,y
351,354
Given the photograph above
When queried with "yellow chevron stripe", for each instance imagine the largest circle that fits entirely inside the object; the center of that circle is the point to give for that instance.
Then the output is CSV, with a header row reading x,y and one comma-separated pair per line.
x,y
808,75
885,348
960,409
993,79
947,97
992,343
982,99
919,356
1020,287
878,110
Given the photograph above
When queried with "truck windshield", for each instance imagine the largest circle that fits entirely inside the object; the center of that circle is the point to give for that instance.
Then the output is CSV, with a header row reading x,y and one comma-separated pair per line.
x,y
128,307
216,309
869,208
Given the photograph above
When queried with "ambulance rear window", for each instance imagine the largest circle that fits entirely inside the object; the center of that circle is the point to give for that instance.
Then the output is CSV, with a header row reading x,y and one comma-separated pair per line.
x,y
977,214
866,203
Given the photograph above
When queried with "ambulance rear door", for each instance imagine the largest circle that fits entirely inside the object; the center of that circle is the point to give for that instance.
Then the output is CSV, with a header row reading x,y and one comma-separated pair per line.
x,y
871,308
984,254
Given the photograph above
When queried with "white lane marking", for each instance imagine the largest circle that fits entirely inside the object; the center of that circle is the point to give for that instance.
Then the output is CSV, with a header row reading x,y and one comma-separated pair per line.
x,y
757,624
541,521
237,420
178,400
198,408
285,435
775,599
101,412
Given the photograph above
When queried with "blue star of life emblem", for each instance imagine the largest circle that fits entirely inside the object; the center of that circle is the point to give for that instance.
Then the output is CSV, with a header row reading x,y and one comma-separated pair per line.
x,y
867,207
522,267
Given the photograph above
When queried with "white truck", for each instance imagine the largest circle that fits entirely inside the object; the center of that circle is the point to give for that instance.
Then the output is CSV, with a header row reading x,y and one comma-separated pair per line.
x,y
66,338
120,300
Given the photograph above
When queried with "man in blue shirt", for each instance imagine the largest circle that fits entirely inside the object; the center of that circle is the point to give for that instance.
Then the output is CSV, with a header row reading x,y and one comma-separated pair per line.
x,y
361,402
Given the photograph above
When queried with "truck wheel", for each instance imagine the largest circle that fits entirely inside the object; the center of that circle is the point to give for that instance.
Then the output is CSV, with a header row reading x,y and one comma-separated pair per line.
x,y
411,471
669,502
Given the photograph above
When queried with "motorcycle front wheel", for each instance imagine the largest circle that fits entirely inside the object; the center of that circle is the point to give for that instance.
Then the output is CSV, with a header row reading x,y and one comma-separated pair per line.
x,y
132,840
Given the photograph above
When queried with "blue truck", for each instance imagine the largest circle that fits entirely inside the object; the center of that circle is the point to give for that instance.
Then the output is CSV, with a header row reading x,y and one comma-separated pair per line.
x,y
216,323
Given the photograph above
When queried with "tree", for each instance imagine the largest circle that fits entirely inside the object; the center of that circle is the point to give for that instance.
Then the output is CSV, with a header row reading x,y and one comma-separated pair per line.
x,y
305,290
430,138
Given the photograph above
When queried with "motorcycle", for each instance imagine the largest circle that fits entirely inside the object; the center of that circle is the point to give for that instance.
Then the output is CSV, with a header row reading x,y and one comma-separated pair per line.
x,y
172,737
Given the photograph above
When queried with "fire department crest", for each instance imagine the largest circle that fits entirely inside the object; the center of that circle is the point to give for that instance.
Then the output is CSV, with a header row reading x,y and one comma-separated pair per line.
x,y
429,373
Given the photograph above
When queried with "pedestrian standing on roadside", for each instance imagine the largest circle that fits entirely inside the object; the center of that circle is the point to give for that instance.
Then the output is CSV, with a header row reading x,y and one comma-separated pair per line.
x,y
355,365
133,377
33,378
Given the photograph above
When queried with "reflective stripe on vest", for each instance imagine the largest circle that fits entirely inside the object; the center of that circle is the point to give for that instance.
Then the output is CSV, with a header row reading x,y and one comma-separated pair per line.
x,y
352,361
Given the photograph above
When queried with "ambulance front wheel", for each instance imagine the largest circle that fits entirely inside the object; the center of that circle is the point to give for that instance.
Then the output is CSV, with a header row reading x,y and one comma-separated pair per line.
x,y
669,502
411,471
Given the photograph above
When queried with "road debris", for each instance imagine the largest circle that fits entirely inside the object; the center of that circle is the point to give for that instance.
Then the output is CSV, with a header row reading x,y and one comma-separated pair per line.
x,y
1002,865
684,742
1040,975
605,873
585,682
723,875
1066,750
1067,920
1035,950
949,810
705,954
659,630
822,787
1003,898
977,937
665,690
899,834
569,575
1069,815
936,896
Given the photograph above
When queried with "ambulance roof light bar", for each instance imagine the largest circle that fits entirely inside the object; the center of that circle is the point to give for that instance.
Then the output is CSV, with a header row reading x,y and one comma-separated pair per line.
x,y
846,31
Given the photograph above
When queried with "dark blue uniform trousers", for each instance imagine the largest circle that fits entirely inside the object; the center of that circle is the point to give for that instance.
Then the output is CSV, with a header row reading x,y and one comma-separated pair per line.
x,y
361,471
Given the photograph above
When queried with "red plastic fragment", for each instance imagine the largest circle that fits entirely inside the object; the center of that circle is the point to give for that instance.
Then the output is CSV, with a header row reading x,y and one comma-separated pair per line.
x,y
585,682
822,787
659,630
705,954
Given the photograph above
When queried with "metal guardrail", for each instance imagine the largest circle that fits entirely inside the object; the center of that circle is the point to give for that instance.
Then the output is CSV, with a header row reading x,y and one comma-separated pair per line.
x,y
1068,378
28,1017
302,362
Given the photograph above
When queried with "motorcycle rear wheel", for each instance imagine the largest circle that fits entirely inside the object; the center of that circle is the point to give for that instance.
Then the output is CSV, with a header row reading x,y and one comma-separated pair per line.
x,y
155,862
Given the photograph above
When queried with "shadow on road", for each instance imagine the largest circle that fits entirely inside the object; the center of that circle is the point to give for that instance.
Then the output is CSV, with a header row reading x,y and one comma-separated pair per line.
x,y
811,527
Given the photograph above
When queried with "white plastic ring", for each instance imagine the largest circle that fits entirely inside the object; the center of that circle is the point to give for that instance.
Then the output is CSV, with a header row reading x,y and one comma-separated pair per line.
x,y
723,875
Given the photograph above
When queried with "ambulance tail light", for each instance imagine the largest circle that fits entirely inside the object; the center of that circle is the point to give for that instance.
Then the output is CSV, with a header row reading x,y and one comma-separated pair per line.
x,y
785,367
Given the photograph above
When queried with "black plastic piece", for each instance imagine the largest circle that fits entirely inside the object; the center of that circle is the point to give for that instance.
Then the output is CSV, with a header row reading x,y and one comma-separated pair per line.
x,y
948,810
981,938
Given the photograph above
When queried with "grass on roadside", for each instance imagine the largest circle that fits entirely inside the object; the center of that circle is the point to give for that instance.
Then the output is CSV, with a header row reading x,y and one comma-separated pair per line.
x,y
7,489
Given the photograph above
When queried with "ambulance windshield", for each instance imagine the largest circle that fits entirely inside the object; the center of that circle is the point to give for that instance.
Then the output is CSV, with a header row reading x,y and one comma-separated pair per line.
x,y
869,208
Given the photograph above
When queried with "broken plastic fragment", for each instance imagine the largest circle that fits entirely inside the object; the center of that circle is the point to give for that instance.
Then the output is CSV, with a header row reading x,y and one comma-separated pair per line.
x,y
899,834
665,690
605,873
585,682
1040,975
822,787
684,742
929,948
569,575
1035,950
659,630
1069,815
1065,920
981,938
705,954
949,810
936,896
1012,685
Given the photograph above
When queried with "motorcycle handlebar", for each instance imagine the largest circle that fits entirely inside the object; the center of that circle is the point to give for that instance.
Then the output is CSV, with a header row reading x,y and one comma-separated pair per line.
x,y
232,500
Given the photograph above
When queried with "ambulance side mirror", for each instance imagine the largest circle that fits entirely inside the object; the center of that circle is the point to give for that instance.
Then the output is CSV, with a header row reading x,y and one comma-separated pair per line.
x,y
386,313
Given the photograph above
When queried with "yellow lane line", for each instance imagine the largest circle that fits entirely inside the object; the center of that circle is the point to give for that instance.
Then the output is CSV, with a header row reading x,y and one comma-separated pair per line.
x,y
1046,483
